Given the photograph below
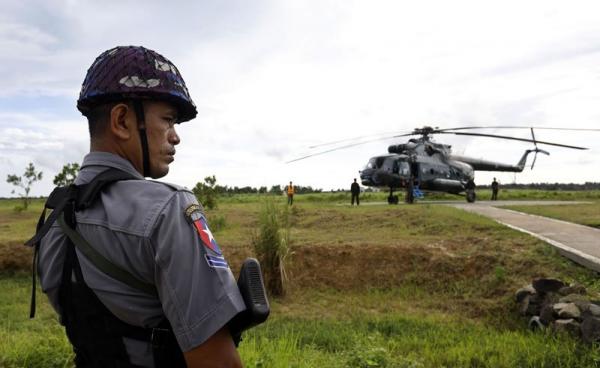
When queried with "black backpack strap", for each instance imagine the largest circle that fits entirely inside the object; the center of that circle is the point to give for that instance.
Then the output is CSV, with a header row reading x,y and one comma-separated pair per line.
x,y
81,196
88,193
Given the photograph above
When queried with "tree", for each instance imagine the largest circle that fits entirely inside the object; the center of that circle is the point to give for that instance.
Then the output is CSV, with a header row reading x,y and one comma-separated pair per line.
x,y
67,175
31,176
276,189
206,192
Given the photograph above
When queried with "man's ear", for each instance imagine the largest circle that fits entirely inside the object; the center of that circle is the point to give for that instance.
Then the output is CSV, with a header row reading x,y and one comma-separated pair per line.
x,y
122,124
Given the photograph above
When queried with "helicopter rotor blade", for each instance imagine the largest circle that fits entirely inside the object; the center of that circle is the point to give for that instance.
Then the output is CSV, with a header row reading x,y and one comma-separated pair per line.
x,y
513,138
516,127
341,147
351,139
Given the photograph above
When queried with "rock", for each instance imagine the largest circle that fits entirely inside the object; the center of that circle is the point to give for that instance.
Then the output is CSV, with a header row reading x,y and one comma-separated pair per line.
x,y
547,285
567,310
579,289
533,307
583,305
594,310
567,325
535,324
571,298
559,306
550,298
590,330
547,314
523,292
572,289
524,305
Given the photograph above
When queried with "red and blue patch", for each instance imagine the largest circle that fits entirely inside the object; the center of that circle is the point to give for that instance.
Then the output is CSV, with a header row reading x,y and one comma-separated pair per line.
x,y
206,235
213,255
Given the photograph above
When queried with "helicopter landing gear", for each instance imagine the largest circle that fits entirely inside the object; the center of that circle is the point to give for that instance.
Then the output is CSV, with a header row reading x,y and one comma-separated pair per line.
x,y
471,195
392,199
470,191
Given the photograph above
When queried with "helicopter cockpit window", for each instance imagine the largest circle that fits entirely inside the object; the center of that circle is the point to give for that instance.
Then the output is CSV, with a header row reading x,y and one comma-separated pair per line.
x,y
372,164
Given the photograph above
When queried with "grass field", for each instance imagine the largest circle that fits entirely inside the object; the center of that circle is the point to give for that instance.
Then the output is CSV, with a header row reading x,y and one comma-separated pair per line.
x,y
585,214
373,286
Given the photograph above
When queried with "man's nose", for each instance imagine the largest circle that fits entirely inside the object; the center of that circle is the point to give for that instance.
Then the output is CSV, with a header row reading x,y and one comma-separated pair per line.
x,y
174,137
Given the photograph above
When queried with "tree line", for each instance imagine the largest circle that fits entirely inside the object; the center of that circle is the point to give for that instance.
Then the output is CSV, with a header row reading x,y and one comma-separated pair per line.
x,y
208,190
550,186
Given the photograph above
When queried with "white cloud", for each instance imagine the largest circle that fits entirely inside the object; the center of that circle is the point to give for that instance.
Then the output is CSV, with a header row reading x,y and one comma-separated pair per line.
x,y
271,78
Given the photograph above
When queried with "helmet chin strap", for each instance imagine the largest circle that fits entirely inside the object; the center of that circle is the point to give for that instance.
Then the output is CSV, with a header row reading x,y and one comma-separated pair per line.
x,y
141,118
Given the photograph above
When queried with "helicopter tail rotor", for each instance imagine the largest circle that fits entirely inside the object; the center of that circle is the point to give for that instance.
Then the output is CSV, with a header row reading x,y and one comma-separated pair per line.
x,y
536,150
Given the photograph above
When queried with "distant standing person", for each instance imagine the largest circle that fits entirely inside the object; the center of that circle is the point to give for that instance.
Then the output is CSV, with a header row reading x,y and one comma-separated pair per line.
x,y
355,190
290,193
494,190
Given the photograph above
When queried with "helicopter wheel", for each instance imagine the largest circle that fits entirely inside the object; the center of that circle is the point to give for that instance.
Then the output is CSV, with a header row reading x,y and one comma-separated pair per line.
x,y
471,195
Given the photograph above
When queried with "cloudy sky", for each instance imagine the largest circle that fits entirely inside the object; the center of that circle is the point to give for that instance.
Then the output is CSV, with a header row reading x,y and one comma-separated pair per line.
x,y
272,78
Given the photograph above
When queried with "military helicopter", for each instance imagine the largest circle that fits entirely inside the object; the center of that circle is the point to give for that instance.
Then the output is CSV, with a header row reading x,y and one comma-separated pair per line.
x,y
422,165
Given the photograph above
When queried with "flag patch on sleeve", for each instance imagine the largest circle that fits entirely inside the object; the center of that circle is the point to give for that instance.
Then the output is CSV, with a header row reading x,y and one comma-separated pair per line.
x,y
196,217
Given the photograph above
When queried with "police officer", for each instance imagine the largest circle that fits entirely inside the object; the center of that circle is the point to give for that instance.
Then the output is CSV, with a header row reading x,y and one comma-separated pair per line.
x,y
355,191
155,232
495,190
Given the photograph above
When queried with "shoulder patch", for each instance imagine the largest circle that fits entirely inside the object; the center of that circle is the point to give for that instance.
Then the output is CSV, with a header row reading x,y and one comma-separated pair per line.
x,y
195,215
193,212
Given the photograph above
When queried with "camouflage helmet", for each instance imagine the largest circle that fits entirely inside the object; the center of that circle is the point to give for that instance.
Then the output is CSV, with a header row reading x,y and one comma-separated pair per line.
x,y
133,73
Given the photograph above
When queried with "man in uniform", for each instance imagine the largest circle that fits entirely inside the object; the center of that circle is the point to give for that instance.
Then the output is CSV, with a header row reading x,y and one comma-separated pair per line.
x,y
494,190
290,193
156,232
355,190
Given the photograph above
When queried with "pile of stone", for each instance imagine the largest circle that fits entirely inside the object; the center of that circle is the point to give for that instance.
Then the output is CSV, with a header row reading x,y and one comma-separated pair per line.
x,y
552,304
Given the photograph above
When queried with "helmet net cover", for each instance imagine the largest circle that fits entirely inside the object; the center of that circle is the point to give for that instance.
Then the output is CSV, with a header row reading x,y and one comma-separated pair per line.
x,y
134,72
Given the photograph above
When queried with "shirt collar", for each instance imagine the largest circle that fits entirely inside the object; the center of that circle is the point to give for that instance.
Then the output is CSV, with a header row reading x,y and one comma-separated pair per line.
x,y
108,159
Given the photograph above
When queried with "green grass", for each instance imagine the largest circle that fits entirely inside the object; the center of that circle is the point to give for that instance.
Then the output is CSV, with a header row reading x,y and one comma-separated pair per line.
x,y
585,214
354,329
367,197
370,286
39,342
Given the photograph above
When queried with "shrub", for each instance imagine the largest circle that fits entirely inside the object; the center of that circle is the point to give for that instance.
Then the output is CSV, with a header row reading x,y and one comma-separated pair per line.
x,y
217,223
271,242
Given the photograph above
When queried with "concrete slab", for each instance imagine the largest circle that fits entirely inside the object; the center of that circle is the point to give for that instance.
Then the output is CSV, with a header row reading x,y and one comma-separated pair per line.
x,y
577,242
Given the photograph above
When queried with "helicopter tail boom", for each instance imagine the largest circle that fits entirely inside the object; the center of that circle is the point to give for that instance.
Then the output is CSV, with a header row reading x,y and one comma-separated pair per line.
x,y
485,165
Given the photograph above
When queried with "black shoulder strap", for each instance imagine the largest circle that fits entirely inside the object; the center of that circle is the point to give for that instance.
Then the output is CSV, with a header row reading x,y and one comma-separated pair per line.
x,y
81,196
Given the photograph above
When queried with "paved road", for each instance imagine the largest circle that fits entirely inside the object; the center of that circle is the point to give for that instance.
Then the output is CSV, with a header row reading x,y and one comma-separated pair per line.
x,y
577,242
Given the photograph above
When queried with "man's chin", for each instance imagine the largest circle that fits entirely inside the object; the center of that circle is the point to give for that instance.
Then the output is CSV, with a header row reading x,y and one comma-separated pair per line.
x,y
159,173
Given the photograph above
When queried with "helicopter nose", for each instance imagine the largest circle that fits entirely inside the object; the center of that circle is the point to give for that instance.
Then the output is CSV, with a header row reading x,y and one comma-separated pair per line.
x,y
366,177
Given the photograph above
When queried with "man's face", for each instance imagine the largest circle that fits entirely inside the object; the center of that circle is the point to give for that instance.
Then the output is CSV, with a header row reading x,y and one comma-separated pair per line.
x,y
160,128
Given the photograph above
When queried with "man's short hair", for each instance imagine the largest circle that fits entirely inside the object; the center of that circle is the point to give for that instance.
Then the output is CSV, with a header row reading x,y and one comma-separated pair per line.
x,y
98,119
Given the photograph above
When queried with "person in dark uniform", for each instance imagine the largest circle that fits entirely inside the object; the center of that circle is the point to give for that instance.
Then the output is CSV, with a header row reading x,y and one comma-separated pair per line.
x,y
355,190
494,190
155,232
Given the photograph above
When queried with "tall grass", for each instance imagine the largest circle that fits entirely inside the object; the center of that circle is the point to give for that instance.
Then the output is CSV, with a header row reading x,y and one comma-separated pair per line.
x,y
271,244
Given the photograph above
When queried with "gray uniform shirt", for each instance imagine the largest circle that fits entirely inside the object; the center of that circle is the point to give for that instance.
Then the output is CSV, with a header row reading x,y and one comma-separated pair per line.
x,y
141,226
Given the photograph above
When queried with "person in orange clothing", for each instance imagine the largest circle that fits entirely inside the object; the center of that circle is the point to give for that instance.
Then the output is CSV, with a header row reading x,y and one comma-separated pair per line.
x,y
290,193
